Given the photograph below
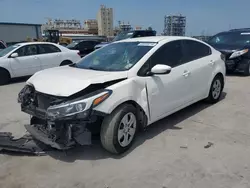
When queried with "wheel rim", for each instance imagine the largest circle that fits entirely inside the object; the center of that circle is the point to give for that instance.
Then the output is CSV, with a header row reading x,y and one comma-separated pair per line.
x,y
216,89
126,129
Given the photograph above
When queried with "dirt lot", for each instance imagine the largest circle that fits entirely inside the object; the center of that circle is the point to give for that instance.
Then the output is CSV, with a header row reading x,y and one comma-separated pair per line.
x,y
169,154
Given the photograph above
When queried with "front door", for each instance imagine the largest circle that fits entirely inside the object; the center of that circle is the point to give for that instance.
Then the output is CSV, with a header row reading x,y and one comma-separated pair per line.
x,y
169,91
27,63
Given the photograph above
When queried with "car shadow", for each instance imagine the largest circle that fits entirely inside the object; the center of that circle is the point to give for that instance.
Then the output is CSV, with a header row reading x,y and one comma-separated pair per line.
x,y
235,74
19,80
96,152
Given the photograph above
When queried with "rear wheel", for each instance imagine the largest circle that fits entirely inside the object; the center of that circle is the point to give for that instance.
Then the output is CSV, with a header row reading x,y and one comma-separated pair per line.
x,y
4,77
118,130
215,89
66,62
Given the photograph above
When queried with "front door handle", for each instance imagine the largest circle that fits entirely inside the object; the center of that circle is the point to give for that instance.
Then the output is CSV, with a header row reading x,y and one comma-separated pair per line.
x,y
186,73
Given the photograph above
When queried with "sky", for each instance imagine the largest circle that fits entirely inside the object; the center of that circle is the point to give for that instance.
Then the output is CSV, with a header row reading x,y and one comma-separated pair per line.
x,y
203,16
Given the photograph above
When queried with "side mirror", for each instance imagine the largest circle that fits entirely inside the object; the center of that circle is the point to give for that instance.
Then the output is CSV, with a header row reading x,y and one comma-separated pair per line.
x,y
161,69
14,55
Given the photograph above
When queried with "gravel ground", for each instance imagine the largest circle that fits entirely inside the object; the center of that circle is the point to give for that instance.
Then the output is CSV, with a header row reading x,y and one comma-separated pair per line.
x,y
169,153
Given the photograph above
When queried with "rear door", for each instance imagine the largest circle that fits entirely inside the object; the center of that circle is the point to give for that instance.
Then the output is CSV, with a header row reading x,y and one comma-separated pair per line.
x,y
27,63
200,63
49,55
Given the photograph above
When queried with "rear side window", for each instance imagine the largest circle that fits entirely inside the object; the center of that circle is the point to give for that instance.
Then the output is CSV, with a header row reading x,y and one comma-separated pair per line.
x,y
195,50
47,49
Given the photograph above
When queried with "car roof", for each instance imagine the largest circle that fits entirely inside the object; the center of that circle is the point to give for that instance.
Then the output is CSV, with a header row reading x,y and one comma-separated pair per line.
x,y
156,39
28,43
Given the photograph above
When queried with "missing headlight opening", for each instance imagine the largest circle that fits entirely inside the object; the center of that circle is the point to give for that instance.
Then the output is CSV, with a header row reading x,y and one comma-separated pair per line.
x,y
63,122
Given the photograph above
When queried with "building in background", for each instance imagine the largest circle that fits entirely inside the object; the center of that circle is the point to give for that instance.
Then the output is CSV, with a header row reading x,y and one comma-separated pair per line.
x,y
124,27
105,21
71,26
138,28
12,33
62,24
91,26
174,25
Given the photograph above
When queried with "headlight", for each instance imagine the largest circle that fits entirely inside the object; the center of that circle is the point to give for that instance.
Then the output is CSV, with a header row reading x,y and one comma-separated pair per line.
x,y
238,53
77,106
64,110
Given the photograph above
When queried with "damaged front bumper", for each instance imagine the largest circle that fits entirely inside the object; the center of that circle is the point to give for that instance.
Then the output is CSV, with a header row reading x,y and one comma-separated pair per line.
x,y
54,129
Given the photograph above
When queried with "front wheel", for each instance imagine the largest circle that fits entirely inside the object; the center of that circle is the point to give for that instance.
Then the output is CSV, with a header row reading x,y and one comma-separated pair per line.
x,y
215,89
119,129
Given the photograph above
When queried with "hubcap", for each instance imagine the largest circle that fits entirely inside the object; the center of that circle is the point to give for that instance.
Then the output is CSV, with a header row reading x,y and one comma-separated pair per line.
x,y
126,129
216,89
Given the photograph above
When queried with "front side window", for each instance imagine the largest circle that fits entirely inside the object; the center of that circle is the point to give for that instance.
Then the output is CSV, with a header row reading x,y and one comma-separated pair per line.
x,y
195,50
48,48
170,54
116,56
27,50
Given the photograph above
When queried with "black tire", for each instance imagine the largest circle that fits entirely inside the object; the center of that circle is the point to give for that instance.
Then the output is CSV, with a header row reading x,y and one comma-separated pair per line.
x,y
4,77
66,62
212,98
247,69
110,128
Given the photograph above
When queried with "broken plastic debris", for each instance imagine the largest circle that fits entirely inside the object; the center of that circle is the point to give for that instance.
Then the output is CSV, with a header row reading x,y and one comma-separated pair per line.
x,y
209,144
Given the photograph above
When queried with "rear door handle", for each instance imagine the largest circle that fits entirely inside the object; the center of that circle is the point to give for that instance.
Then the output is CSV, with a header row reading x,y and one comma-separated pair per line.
x,y
186,73
35,57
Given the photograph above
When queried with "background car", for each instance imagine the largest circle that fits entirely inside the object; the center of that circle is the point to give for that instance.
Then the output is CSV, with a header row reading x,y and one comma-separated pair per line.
x,y
85,47
2,45
121,88
235,45
129,34
25,59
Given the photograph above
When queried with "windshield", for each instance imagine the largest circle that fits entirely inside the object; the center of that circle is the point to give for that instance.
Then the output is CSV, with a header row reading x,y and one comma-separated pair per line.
x,y
72,45
115,57
123,35
7,50
231,38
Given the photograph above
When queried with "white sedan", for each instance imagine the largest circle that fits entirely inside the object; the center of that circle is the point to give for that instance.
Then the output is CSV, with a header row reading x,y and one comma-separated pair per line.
x,y
121,88
25,59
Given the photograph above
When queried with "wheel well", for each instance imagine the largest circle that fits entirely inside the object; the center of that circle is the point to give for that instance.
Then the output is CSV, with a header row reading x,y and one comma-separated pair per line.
x,y
66,61
143,119
221,76
1,68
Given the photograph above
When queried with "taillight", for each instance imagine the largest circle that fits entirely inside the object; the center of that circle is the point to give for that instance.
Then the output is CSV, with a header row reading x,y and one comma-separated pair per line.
x,y
223,57
79,53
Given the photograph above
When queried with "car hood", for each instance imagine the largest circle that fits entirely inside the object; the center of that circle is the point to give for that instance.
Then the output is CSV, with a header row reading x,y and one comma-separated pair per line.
x,y
65,81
